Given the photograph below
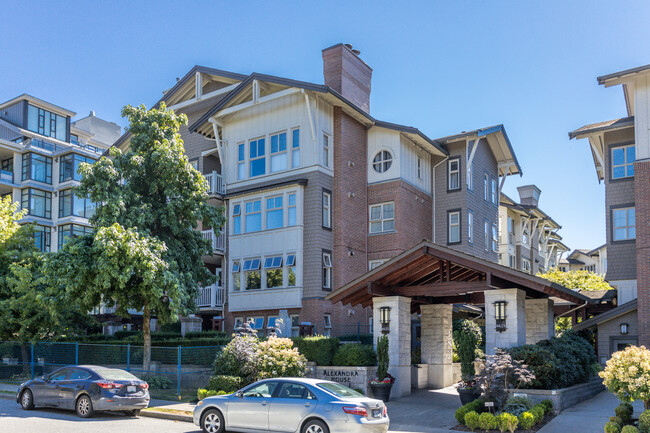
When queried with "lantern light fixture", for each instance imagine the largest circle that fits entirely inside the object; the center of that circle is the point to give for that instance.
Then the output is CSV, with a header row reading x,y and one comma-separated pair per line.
x,y
625,328
384,319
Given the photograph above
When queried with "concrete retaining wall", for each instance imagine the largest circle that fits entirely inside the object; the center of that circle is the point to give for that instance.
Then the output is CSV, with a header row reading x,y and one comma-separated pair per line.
x,y
353,377
565,397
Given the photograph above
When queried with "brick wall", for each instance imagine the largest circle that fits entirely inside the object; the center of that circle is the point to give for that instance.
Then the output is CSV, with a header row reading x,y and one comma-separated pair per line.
x,y
642,193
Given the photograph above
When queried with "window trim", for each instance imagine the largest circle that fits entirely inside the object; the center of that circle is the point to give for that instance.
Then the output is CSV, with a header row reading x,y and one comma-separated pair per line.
x,y
47,197
295,148
257,157
260,212
326,146
326,254
486,234
494,191
626,207
381,219
611,161
273,209
495,238
486,187
451,212
326,210
470,227
279,152
381,163
457,171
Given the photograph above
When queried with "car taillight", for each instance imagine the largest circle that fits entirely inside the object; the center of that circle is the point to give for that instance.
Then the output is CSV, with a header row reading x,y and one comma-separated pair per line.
x,y
109,385
355,410
144,385
385,411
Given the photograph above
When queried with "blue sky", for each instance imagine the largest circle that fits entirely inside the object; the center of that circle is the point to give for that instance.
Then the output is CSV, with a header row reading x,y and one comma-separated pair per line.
x,y
443,67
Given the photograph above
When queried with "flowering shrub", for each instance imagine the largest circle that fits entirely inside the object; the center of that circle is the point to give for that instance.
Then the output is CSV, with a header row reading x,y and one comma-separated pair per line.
x,y
627,374
387,379
276,357
238,358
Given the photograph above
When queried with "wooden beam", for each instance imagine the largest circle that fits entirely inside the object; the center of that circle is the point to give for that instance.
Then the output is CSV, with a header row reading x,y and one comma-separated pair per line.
x,y
441,289
427,270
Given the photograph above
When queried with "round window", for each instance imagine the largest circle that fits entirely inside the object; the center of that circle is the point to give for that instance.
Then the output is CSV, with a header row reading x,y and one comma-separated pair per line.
x,y
382,161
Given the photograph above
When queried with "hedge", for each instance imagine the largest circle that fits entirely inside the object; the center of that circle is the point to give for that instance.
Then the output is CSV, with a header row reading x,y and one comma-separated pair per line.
x,y
358,355
317,349
228,384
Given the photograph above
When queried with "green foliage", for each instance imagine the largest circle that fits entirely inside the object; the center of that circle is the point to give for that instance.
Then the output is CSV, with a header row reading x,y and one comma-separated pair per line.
x,y
359,355
228,384
360,391
612,427
577,280
644,421
524,401
382,357
360,338
202,334
487,421
318,349
507,422
548,405
624,411
538,413
517,405
627,375
416,356
630,429
467,338
204,393
477,406
559,362
238,358
472,420
9,217
277,357
526,420
616,419
158,381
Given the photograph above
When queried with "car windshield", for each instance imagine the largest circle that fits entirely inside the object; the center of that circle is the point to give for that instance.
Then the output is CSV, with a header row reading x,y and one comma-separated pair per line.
x,y
114,374
340,390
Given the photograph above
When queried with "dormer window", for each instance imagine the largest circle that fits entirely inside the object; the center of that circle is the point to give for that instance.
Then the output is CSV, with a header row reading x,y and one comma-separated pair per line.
x,y
382,161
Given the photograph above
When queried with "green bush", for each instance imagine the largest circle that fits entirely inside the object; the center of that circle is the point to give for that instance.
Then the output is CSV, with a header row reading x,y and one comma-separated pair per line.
x,y
206,334
382,357
624,411
487,421
203,393
467,338
318,349
276,357
225,383
238,358
630,429
158,381
617,420
171,327
120,335
355,355
517,405
538,413
472,420
526,420
361,338
612,427
460,414
644,421
507,422
548,406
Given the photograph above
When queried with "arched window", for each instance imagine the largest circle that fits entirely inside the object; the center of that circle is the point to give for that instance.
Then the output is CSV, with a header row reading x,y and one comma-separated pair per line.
x,y
382,161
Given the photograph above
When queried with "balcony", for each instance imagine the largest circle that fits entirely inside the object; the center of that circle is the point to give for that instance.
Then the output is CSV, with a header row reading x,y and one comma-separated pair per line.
x,y
210,297
6,176
218,242
216,183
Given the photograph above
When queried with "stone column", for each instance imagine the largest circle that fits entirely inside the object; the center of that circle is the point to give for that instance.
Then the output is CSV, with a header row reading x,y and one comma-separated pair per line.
x,y
540,323
399,340
515,333
436,344
190,324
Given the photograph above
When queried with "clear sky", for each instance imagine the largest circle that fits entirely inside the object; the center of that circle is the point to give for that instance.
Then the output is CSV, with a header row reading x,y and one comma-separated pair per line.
x,y
442,66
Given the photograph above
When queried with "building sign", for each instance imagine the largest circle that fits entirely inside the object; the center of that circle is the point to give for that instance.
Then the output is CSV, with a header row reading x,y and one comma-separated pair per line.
x,y
501,325
345,377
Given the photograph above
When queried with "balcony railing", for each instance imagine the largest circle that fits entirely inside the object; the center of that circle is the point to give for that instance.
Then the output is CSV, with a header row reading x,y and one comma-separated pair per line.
x,y
6,176
216,183
211,296
218,242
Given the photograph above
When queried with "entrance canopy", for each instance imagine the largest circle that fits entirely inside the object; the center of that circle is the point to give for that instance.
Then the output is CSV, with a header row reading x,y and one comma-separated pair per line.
x,y
432,274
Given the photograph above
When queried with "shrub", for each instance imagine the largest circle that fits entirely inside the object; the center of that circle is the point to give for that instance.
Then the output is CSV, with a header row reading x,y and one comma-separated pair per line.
x,y
206,334
238,358
630,429
277,357
228,384
486,421
617,420
526,420
548,405
203,393
474,406
460,414
467,338
501,373
359,355
517,405
360,338
612,427
318,349
472,420
382,357
538,413
158,381
507,422
644,421
624,411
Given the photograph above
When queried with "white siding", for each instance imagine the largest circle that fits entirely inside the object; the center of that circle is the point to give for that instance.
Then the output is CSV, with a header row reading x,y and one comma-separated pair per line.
x,y
383,139
410,153
642,116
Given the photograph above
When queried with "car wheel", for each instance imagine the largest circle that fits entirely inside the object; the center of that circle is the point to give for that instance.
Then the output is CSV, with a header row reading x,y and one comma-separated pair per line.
x,y
315,426
84,407
134,412
27,400
212,422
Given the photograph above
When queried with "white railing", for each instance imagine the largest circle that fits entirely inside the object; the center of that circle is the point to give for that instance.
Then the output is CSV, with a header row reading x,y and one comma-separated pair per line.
x,y
6,176
216,183
211,296
218,242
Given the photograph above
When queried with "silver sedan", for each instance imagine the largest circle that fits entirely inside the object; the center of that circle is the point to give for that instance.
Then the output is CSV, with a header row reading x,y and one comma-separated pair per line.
x,y
292,405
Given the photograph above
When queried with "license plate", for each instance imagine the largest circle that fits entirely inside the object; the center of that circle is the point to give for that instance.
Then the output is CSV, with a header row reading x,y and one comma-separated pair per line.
x,y
375,413
130,389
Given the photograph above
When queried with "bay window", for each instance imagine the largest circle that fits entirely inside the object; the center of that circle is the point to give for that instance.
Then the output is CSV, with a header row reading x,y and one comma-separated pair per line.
x,y
274,213
252,274
295,146
38,203
37,167
274,274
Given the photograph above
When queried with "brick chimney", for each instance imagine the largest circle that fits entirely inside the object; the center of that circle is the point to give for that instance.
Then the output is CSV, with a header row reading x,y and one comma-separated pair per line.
x,y
529,195
346,73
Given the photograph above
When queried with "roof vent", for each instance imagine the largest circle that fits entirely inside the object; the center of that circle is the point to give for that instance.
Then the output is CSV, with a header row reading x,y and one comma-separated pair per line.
x,y
349,46
92,113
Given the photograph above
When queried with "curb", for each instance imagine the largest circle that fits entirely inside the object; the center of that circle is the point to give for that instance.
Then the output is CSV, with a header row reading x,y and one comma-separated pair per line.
x,y
168,416
7,396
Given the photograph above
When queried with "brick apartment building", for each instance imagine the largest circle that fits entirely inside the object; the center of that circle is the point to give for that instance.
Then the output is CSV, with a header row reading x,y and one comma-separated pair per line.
x,y
317,191
621,153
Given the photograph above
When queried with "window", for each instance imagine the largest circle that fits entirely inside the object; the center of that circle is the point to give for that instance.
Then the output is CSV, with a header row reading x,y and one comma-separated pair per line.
x,y
295,325
37,167
327,270
623,161
511,231
252,274
511,261
382,161
257,159
253,218
292,210
419,167
494,192
454,227
470,227
74,139
326,150
273,268
291,270
279,152
327,325
38,203
70,204
69,166
294,390
372,264
195,164
68,231
327,205
47,123
382,217
274,213
236,275
525,265
495,238
256,323
486,234
486,191
524,233
453,169
236,219
42,237
239,322
624,226
241,163
295,148
263,390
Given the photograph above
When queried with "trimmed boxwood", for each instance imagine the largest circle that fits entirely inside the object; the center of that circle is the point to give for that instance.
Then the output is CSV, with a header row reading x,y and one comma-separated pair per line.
x,y
358,355
318,349
229,384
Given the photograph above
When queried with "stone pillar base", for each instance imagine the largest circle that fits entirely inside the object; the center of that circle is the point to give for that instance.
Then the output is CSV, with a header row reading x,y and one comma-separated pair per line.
x,y
440,375
402,386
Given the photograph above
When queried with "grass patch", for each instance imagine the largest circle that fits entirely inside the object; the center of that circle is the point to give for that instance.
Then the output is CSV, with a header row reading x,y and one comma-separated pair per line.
x,y
187,395
165,410
7,392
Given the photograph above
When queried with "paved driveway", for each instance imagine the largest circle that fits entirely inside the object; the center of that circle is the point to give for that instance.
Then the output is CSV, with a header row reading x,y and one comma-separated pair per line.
x,y
424,411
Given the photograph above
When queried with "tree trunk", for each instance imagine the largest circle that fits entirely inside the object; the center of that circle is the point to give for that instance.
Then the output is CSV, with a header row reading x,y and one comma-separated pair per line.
x,y
146,335
26,360
646,404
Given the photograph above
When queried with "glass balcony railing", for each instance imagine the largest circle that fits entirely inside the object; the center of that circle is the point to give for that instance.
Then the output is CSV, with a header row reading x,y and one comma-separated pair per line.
x,y
6,176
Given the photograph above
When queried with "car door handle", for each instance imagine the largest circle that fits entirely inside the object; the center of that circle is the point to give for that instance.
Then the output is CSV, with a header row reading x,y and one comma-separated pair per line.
x,y
307,404
264,403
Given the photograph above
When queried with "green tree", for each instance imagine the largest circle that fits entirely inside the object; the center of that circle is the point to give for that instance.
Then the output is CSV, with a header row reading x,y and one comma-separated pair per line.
x,y
577,280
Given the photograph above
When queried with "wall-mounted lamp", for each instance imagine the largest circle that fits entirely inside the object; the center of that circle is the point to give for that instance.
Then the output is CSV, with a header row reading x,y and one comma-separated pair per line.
x,y
384,319
500,315
625,328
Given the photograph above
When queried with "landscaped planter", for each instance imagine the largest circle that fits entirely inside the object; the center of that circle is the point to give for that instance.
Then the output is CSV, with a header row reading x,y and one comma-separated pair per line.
x,y
353,377
456,372
381,391
565,397
468,395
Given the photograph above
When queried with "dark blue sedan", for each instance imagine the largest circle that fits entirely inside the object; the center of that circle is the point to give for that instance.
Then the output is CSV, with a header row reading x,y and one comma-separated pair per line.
x,y
86,389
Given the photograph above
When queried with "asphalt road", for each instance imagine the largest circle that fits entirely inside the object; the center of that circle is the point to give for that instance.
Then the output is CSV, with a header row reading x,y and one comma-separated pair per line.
x,y
15,420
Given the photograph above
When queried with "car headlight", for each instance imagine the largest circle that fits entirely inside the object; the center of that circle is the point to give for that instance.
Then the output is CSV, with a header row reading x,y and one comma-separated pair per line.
x,y
200,403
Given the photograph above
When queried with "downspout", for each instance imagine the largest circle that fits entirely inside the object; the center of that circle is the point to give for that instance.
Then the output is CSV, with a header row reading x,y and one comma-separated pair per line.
x,y
570,311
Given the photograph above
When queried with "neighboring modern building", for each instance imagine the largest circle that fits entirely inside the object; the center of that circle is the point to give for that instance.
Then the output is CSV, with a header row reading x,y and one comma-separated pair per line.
x,y
318,192
621,153
586,260
528,236
40,151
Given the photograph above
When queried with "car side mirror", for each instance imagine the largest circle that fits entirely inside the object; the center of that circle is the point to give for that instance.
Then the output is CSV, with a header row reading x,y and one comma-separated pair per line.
x,y
239,394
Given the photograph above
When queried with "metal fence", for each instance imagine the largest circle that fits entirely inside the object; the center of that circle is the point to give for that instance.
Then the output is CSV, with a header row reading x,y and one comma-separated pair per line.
x,y
189,367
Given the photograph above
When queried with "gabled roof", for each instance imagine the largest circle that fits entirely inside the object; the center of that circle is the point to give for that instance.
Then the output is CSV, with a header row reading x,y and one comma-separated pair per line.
x,y
609,125
605,78
606,316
